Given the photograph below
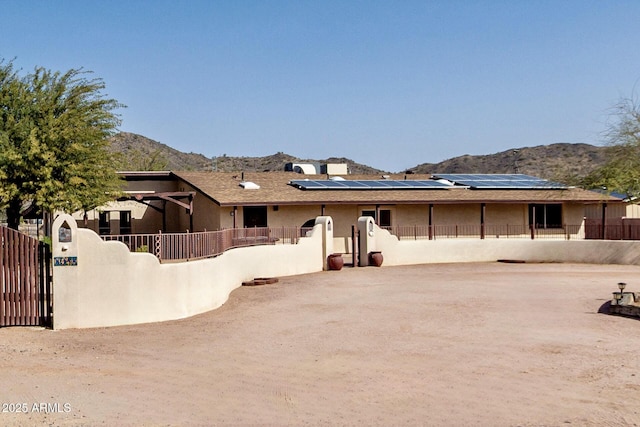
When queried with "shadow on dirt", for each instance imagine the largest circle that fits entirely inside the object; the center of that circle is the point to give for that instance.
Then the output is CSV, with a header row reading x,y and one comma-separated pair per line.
x,y
606,309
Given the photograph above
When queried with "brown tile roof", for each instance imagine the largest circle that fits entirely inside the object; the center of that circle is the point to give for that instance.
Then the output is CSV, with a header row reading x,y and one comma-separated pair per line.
x,y
224,188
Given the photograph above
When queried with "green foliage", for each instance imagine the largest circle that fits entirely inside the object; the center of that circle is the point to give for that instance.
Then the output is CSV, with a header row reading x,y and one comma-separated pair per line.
x,y
53,141
621,172
47,240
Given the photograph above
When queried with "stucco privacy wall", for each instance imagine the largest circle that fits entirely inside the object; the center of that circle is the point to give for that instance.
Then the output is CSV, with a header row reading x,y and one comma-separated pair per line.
x,y
407,252
98,283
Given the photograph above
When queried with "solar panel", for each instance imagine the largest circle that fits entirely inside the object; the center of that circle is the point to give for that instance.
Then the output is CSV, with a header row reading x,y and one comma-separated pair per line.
x,y
384,184
308,184
354,185
501,181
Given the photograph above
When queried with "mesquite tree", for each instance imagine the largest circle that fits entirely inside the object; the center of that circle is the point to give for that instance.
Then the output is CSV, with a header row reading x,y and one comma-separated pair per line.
x,y
621,172
53,141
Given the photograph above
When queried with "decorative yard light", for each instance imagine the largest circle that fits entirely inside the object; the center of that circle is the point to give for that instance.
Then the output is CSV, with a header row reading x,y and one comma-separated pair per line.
x,y
625,303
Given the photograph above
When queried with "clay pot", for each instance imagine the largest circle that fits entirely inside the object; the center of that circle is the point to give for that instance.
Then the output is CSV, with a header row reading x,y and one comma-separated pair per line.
x,y
375,258
335,262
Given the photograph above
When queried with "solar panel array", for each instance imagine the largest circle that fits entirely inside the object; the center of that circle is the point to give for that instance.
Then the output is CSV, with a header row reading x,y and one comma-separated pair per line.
x,y
501,181
380,184
475,181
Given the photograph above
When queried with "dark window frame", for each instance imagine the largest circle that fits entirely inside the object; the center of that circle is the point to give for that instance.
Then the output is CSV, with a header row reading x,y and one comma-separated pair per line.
x,y
254,216
547,215
125,222
104,223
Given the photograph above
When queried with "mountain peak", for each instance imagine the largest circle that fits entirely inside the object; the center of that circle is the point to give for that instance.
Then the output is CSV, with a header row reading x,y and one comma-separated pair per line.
x,y
563,162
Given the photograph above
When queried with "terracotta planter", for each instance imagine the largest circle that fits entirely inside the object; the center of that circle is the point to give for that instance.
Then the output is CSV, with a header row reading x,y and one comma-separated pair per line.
x,y
335,262
375,258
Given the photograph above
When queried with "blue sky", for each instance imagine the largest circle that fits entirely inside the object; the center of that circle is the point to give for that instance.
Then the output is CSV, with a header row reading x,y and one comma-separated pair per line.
x,y
391,84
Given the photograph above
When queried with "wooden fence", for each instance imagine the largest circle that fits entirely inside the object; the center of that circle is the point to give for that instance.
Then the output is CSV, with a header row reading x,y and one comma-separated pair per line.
x,y
25,280
614,229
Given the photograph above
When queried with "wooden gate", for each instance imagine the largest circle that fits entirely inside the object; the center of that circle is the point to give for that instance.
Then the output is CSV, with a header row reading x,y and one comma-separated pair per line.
x,y
25,280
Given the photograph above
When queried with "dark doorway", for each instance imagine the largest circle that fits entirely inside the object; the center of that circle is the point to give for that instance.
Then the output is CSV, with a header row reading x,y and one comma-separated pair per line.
x,y
255,216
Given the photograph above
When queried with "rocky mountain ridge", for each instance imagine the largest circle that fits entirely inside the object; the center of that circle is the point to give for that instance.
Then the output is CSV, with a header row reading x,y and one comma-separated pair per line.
x,y
562,162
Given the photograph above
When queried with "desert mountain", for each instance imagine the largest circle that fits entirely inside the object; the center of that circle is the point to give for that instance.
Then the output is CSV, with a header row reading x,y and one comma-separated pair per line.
x,y
562,162
137,152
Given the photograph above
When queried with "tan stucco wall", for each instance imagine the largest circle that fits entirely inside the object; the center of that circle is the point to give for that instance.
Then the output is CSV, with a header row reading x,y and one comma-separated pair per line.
x,y
456,214
490,250
110,286
291,216
412,215
503,214
572,214
206,214
631,210
344,216
226,217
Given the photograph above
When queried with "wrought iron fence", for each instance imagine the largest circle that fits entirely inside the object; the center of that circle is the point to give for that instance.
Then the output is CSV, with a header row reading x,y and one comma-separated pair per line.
x,y
477,231
191,246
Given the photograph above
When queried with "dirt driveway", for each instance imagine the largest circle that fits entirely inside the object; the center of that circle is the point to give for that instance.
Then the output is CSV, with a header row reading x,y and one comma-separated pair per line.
x,y
453,344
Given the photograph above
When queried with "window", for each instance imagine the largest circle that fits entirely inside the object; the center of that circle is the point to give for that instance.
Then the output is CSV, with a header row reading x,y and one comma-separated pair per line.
x,y
125,222
255,216
385,217
104,224
372,214
545,216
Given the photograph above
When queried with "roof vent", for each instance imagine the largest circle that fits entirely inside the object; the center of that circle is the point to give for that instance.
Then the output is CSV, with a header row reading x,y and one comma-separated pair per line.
x,y
248,185
337,178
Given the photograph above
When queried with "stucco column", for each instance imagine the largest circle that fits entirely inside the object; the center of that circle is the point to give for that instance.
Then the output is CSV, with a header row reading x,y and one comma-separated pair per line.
x,y
65,249
367,240
327,238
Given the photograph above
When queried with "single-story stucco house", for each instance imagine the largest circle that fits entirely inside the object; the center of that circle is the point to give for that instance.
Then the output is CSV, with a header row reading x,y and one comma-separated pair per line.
x,y
197,201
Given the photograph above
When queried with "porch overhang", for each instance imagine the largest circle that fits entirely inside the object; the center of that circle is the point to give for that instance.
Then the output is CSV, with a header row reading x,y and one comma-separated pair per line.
x,y
183,199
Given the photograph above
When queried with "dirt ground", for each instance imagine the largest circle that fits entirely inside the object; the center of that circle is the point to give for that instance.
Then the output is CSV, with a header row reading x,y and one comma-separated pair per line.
x,y
453,344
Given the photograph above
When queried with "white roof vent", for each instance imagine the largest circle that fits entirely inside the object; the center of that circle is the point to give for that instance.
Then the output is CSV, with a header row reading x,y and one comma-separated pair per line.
x,y
337,178
248,185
